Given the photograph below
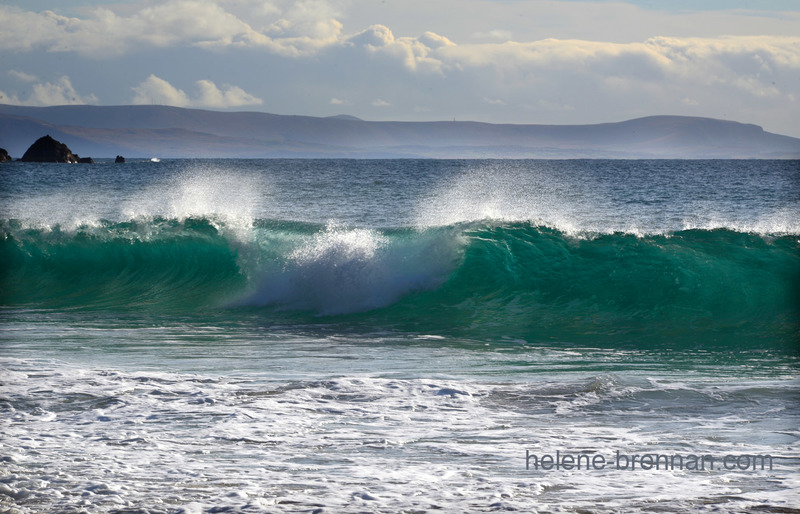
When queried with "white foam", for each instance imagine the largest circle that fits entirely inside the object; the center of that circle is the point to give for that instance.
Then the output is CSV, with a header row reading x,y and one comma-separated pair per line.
x,y
784,221
342,270
100,440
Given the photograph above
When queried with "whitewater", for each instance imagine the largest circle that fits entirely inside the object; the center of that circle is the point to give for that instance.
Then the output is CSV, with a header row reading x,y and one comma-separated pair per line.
x,y
399,336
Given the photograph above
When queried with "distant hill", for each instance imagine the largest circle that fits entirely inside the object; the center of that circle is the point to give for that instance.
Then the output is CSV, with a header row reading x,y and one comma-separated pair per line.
x,y
150,130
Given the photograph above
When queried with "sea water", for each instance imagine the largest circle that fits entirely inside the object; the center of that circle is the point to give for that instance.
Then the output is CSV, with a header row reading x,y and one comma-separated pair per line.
x,y
400,336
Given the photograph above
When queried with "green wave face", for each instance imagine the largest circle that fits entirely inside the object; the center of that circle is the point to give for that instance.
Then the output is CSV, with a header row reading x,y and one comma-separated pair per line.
x,y
479,281
707,287
161,264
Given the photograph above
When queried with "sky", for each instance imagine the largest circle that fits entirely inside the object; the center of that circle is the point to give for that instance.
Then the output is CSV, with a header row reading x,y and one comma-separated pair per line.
x,y
498,61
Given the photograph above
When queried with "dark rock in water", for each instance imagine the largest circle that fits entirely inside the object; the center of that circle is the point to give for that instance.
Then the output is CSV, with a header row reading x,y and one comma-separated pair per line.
x,y
4,155
119,159
86,160
47,149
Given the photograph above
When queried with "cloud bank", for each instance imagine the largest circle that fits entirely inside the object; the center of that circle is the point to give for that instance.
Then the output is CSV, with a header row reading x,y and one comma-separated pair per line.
x,y
292,29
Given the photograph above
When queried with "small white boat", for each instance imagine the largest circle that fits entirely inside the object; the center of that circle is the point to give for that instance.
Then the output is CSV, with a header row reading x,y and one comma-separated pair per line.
x,y
155,159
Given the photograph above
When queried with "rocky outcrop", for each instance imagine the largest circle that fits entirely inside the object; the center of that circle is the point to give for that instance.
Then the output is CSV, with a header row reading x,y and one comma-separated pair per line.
x,y
4,157
86,160
119,159
47,149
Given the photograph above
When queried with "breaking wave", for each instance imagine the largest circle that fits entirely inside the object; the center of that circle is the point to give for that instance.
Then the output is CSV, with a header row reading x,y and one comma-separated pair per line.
x,y
511,278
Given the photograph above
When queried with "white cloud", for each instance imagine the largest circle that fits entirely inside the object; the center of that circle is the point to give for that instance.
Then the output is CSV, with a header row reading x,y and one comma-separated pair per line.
x,y
746,63
155,90
22,76
286,28
497,34
231,96
477,21
9,99
307,27
380,103
60,92
336,101
414,53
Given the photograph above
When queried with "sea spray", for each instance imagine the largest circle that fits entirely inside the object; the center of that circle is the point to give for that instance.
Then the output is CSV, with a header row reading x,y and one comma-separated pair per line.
x,y
343,270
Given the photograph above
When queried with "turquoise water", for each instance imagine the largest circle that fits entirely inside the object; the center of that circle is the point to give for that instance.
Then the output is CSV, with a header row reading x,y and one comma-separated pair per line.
x,y
385,336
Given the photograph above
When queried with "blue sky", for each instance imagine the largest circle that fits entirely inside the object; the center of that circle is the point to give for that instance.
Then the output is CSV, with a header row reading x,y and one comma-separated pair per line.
x,y
533,61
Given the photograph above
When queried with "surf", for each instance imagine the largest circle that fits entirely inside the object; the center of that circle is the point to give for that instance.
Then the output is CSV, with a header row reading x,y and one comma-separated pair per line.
x,y
489,279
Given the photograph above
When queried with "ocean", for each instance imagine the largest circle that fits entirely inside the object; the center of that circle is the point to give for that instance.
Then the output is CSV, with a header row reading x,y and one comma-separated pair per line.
x,y
390,336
